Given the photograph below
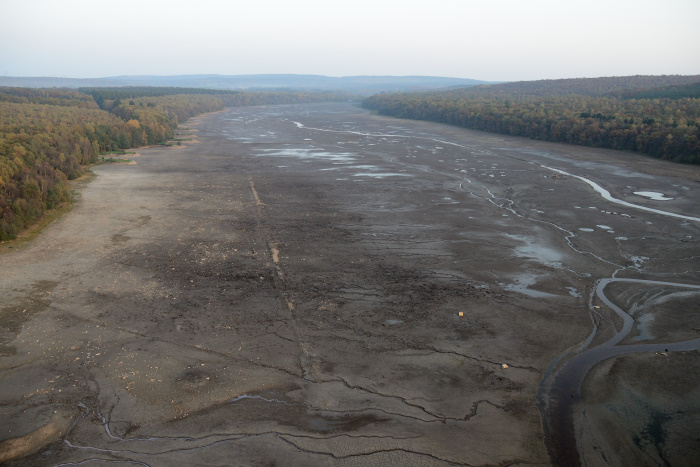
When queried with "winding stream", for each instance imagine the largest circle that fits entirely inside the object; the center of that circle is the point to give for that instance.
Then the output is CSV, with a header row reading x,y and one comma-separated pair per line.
x,y
606,194
556,400
559,389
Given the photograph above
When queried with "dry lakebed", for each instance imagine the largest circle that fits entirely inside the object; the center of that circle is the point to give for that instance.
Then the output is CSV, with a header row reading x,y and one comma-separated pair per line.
x,y
317,285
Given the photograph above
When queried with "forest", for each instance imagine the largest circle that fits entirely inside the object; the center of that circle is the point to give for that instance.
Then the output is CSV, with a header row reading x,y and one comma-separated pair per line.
x,y
658,116
50,136
106,96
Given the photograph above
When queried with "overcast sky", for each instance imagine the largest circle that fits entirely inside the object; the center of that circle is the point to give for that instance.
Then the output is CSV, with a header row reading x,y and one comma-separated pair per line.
x,y
495,40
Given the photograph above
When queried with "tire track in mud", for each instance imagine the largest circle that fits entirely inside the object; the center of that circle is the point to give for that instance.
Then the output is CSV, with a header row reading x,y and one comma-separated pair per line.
x,y
307,361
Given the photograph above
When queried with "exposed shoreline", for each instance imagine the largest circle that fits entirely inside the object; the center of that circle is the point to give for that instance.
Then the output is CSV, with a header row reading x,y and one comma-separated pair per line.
x,y
292,294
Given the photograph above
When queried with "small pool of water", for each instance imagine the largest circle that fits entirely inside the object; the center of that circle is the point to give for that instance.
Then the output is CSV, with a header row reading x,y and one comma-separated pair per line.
x,y
656,196
380,175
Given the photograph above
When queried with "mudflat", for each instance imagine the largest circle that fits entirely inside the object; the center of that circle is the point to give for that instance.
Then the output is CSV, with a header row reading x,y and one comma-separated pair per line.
x,y
317,285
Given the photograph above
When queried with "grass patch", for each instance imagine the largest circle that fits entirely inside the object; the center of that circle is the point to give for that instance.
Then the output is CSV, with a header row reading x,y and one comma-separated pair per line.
x,y
111,160
120,152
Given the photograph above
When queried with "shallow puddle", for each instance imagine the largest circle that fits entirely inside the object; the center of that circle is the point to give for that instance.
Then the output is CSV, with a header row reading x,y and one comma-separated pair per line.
x,y
656,196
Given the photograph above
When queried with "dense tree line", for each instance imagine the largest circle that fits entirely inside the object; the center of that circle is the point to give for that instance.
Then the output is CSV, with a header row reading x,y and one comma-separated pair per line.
x,y
62,97
670,92
123,92
154,119
613,86
596,113
105,96
48,136
41,147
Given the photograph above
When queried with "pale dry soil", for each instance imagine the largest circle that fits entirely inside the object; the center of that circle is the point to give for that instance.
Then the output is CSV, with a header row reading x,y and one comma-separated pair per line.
x,y
288,290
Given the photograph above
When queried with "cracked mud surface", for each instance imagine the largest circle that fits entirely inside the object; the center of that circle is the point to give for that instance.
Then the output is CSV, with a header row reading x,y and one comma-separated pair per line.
x,y
288,291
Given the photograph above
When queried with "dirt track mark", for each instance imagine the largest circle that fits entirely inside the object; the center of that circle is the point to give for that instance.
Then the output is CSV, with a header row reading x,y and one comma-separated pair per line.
x,y
308,363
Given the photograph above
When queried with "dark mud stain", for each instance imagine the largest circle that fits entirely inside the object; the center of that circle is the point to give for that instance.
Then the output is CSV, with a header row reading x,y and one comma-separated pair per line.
x,y
119,238
319,423
273,405
194,380
13,317
143,220
181,265
124,429
654,434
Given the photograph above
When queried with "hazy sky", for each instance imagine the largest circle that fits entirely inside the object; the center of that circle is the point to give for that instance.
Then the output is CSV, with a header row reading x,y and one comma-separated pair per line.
x,y
486,39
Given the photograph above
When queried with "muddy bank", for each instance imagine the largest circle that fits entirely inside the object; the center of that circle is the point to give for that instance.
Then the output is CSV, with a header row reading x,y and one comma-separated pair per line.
x,y
315,285
630,418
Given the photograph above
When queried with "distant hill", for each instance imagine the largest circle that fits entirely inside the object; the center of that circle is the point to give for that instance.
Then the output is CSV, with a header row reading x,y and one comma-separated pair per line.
x,y
47,82
355,84
606,86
